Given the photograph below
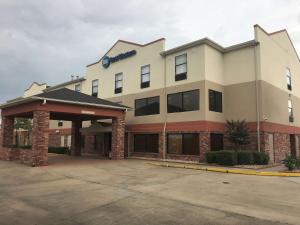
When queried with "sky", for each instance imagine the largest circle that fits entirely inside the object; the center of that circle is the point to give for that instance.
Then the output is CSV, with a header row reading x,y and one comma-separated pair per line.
x,y
48,41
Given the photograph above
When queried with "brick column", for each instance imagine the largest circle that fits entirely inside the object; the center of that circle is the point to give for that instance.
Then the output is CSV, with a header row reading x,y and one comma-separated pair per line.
x,y
118,132
40,138
161,143
7,134
76,138
204,141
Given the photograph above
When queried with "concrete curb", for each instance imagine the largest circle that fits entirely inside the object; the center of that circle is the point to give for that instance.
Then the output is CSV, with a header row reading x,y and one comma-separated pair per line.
x,y
233,171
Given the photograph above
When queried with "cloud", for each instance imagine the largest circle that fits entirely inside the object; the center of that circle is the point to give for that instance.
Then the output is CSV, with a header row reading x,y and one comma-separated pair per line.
x,y
47,41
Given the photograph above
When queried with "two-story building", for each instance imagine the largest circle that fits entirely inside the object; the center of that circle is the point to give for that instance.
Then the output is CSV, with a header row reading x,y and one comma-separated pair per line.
x,y
181,98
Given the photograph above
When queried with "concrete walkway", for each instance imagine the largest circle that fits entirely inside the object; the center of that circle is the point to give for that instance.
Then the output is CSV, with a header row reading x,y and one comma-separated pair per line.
x,y
90,191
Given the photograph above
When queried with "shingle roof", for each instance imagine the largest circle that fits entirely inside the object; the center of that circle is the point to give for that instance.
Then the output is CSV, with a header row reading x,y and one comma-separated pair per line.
x,y
68,96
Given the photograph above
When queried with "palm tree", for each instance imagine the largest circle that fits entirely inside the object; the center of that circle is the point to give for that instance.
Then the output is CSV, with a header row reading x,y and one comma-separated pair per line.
x,y
238,133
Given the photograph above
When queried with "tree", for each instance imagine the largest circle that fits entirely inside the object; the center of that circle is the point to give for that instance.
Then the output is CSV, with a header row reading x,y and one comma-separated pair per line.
x,y
24,124
238,133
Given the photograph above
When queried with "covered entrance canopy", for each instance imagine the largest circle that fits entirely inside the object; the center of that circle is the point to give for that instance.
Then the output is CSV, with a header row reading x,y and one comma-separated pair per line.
x,y
62,104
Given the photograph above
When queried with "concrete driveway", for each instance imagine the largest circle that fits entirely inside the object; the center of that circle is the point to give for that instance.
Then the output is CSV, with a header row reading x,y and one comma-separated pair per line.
x,y
93,191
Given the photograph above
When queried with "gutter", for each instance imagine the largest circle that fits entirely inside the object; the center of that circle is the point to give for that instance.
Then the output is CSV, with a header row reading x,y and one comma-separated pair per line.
x,y
80,103
257,95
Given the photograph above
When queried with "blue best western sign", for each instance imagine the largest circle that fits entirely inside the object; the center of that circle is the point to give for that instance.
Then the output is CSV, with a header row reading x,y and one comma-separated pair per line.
x,y
106,61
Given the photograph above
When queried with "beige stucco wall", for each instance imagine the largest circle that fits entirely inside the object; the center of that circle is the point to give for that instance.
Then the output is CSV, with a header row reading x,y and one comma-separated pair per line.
x,y
195,66
276,53
34,89
131,69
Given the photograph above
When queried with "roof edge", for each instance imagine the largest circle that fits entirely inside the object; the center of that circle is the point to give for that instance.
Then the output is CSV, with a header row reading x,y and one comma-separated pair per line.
x,y
63,84
80,103
276,32
211,43
127,42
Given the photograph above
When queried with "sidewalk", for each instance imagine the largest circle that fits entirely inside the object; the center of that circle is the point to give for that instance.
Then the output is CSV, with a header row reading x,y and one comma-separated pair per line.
x,y
277,170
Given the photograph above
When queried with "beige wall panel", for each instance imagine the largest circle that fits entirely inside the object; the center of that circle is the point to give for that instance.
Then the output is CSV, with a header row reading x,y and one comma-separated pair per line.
x,y
34,89
195,66
239,66
240,102
131,69
276,55
275,105
213,65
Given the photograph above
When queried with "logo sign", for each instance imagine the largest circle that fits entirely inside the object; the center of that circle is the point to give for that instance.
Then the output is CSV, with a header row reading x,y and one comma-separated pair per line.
x,y
106,61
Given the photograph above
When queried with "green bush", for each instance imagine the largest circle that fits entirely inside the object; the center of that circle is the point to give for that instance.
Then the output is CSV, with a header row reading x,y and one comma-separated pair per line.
x,y
245,157
298,163
260,158
58,150
211,157
227,158
290,162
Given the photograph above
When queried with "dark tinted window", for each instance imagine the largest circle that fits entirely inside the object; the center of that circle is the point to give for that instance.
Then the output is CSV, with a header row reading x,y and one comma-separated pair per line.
x,y
185,144
180,67
183,101
146,143
215,101
216,142
147,106
190,144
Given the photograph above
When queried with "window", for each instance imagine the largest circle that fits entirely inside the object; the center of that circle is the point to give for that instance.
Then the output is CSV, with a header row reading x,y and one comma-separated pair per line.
x,y
180,67
146,143
95,88
82,141
216,142
183,144
77,87
290,109
183,101
215,101
118,83
289,79
147,106
60,123
145,76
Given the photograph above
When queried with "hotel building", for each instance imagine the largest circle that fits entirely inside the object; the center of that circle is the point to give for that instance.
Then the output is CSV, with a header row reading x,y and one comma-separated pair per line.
x,y
180,98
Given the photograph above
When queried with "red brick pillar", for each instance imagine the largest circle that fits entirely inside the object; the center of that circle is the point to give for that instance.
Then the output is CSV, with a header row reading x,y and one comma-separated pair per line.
x,y
40,138
204,141
161,142
118,132
76,138
7,134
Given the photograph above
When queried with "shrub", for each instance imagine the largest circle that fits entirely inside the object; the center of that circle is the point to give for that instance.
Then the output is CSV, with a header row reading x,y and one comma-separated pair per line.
x,y
260,158
298,163
245,157
290,162
58,150
211,157
227,158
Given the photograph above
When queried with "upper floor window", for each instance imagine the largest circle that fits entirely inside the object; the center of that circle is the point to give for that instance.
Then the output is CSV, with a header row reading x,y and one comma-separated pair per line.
x,y
145,76
290,109
77,87
147,106
118,83
95,88
60,123
215,101
183,101
180,67
289,79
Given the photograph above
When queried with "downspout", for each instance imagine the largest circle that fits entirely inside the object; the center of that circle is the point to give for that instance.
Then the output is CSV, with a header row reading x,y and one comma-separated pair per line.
x,y
257,94
165,109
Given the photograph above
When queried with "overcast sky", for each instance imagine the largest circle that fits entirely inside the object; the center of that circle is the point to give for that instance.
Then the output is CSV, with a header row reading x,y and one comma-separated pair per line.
x,y
47,41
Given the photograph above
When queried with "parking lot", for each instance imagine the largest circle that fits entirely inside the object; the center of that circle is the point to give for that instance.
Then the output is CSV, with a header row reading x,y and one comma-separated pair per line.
x,y
94,191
